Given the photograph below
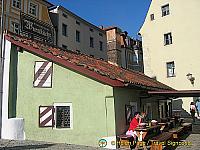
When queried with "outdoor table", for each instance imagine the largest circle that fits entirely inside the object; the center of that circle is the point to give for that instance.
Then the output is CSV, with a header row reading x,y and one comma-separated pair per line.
x,y
176,132
148,132
163,126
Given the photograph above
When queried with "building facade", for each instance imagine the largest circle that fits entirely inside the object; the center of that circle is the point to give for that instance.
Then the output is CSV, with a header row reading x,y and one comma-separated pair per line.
x,y
61,96
30,18
170,37
124,50
76,34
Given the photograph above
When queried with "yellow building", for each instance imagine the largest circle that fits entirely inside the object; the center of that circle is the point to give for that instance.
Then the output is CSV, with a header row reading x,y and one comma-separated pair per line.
x,y
170,36
37,10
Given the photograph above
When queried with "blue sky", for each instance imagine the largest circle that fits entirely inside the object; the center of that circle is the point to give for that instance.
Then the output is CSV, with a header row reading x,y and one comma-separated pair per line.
x,y
129,15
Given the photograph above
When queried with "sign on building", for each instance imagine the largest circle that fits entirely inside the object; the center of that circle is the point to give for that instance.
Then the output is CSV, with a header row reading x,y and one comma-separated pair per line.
x,y
36,29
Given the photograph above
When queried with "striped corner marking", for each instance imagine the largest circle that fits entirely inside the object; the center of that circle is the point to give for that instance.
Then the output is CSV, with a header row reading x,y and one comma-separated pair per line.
x,y
46,116
43,74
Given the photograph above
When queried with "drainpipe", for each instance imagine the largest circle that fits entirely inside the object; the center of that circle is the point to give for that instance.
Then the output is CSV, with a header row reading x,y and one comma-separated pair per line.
x,y
2,53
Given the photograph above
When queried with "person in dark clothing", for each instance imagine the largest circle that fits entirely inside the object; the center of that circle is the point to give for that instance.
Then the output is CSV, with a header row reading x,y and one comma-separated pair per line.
x,y
192,110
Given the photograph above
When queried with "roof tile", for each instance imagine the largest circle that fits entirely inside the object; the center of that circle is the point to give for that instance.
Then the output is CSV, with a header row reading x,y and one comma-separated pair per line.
x,y
100,67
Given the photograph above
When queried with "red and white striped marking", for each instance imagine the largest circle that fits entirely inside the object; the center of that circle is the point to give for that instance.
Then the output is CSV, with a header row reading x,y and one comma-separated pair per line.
x,y
43,74
46,116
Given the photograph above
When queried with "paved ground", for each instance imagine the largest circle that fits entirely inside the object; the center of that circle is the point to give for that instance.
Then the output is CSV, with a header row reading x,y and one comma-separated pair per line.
x,y
193,140
32,145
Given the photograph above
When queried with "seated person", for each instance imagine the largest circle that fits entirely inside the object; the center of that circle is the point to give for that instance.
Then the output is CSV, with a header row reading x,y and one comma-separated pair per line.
x,y
134,123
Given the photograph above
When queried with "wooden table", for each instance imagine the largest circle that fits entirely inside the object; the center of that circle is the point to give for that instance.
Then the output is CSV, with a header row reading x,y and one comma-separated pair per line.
x,y
148,132
176,132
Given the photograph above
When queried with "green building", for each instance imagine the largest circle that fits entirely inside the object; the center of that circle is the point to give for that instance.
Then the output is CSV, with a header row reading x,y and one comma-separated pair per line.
x,y
65,97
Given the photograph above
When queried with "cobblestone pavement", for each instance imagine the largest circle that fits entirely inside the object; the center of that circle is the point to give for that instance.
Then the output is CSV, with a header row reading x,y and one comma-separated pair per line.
x,y
193,138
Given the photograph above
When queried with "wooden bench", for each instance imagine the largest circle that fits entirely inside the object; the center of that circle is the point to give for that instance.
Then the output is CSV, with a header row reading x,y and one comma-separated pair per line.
x,y
176,132
159,141
187,127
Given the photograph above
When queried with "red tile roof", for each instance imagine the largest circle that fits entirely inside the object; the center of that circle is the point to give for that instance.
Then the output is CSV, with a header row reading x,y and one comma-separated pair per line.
x,y
94,68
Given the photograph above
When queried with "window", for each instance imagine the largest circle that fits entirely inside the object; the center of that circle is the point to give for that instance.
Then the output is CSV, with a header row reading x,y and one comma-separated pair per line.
x,y
15,27
64,15
64,29
100,34
170,69
77,36
78,51
16,3
60,116
135,59
43,74
91,30
33,9
101,45
91,42
165,10
152,17
77,22
64,47
167,39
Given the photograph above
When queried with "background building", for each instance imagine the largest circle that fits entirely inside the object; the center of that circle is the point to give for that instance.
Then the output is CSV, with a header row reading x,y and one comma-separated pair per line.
x,y
37,9
76,34
124,50
170,37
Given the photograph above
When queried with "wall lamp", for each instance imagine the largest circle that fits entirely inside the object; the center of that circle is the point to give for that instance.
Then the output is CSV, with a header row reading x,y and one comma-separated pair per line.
x,y
191,78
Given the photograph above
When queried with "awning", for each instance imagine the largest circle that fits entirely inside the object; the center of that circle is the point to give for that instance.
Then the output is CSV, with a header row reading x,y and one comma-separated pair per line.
x,y
176,93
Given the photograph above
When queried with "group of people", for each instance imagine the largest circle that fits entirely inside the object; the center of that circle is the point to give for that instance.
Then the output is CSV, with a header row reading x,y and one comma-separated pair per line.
x,y
195,108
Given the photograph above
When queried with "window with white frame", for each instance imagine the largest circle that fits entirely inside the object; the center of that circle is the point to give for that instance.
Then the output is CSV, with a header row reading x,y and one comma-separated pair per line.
x,y
16,27
63,115
170,69
43,74
168,38
16,4
33,9
165,10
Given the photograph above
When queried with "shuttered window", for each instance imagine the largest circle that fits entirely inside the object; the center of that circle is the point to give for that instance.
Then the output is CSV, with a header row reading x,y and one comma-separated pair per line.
x,y
58,116
46,116
43,74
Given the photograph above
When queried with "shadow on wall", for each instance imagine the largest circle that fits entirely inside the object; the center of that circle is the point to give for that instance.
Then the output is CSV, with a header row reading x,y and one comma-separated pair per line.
x,y
177,105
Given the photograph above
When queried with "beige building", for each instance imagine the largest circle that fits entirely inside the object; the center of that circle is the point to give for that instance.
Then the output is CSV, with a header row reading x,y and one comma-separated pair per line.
x,y
123,50
76,34
32,10
170,36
